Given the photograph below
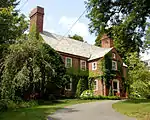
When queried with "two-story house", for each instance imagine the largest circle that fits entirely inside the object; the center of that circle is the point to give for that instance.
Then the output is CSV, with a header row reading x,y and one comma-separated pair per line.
x,y
86,58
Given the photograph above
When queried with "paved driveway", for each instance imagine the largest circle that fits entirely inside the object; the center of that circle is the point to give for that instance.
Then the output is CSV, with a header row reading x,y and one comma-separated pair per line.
x,y
89,111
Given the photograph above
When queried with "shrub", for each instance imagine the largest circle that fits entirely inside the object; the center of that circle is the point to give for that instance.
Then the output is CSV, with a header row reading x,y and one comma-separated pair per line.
x,y
87,93
99,97
3,105
6,104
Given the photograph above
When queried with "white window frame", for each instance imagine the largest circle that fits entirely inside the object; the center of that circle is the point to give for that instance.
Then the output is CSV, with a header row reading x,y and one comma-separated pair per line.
x,y
115,63
114,55
118,89
94,68
70,84
66,61
96,86
81,67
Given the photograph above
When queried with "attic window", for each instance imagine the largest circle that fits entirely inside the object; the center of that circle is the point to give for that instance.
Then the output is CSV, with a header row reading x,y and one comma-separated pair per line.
x,y
94,65
114,55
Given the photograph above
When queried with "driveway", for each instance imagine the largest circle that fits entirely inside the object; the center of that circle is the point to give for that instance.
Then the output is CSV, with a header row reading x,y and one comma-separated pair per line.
x,y
101,110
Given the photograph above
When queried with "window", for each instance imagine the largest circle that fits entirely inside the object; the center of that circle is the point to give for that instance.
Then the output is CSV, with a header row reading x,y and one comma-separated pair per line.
x,y
114,55
69,85
83,65
68,62
114,65
115,86
94,65
95,84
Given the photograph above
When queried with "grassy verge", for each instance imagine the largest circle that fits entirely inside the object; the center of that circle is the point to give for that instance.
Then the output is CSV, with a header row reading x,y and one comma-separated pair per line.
x,y
39,112
134,108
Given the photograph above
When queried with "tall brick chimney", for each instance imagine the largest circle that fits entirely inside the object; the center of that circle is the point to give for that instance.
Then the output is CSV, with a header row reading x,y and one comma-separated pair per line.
x,y
106,42
36,18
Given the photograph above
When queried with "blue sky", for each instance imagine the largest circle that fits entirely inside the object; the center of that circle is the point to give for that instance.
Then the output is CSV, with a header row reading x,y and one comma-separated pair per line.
x,y
61,14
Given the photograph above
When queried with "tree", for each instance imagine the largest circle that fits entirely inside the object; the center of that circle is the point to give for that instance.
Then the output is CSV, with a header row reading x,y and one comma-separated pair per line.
x,y
30,66
122,20
98,41
12,26
76,37
138,76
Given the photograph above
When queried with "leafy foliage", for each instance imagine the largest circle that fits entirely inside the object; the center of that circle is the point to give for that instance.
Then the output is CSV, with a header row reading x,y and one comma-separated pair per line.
x,y
30,66
123,20
138,76
81,86
76,37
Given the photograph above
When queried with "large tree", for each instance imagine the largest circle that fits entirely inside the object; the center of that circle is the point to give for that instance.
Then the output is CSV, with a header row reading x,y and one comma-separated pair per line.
x,y
12,26
123,20
31,65
138,76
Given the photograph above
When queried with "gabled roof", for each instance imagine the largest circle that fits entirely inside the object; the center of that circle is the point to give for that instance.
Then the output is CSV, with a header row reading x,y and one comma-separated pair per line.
x,y
74,47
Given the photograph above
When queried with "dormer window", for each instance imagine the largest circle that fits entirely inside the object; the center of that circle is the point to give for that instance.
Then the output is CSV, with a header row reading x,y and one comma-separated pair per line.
x,y
114,55
94,65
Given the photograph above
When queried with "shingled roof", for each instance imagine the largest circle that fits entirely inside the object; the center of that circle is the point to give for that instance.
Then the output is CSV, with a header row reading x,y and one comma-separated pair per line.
x,y
74,47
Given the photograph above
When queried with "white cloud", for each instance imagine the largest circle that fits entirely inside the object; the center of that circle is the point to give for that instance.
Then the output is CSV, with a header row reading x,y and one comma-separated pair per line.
x,y
79,28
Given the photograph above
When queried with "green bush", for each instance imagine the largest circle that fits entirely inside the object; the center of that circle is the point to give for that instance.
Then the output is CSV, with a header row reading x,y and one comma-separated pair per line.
x,y
6,104
99,97
3,105
87,93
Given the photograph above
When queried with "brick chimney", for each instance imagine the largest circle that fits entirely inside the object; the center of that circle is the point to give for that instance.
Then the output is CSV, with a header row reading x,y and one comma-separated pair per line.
x,y
106,42
36,18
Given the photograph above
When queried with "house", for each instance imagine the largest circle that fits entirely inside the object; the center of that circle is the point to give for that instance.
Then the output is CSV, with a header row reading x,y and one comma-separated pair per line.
x,y
87,60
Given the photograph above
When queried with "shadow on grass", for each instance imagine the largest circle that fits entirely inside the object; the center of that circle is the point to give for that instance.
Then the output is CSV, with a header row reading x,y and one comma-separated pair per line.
x,y
34,113
137,101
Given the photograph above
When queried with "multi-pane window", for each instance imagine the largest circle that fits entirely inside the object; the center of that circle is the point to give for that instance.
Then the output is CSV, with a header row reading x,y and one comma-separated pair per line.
x,y
114,65
95,84
83,65
94,65
114,55
68,62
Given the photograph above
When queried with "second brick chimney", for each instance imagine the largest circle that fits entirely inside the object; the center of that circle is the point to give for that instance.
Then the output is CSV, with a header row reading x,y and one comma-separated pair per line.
x,y
106,42
36,18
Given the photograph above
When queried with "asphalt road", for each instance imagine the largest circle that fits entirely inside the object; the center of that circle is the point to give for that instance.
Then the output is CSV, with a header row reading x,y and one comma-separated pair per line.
x,y
89,111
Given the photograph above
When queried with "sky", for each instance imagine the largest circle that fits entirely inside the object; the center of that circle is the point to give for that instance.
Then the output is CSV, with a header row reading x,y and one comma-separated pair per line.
x,y
61,14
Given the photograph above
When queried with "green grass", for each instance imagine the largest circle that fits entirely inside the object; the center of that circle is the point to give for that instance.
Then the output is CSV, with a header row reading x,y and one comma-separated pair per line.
x,y
134,108
39,112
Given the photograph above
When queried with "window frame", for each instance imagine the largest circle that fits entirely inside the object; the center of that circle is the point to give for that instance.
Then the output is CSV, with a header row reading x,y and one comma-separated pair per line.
x,y
66,62
114,55
118,86
81,67
95,86
93,65
115,65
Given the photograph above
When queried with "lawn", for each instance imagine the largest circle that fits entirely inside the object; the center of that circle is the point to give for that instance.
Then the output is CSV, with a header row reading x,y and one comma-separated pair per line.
x,y
39,112
134,108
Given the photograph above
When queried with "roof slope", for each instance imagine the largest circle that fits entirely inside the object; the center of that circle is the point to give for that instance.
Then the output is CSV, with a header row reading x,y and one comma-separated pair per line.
x,y
70,46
